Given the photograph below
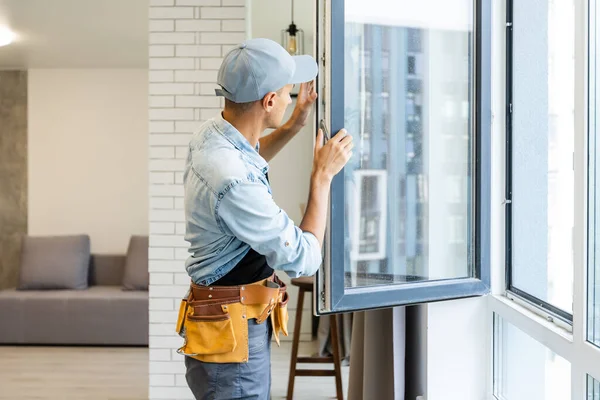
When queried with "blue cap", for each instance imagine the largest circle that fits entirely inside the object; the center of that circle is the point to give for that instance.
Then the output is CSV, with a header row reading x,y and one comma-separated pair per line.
x,y
259,66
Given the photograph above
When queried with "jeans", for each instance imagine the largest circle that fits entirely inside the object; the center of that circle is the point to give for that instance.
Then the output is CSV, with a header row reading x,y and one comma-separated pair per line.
x,y
248,381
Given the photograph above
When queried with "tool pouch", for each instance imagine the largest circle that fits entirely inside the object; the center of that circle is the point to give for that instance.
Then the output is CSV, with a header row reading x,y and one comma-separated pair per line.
x,y
208,329
179,328
279,317
214,320
282,314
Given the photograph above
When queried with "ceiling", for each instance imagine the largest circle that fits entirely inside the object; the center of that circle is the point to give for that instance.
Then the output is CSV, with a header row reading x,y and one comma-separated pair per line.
x,y
75,34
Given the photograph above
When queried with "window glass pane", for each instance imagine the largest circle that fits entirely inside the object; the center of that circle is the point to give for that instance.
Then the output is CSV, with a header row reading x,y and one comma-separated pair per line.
x,y
407,98
593,389
593,292
525,369
542,150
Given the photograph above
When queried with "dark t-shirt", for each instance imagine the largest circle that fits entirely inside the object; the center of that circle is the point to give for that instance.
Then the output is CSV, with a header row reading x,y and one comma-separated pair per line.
x,y
252,268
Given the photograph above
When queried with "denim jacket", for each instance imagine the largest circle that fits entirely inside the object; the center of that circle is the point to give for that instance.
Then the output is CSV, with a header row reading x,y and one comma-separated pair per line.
x,y
229,209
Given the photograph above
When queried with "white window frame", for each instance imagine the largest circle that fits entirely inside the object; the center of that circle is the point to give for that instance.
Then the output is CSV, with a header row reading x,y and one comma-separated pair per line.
x,y
566,341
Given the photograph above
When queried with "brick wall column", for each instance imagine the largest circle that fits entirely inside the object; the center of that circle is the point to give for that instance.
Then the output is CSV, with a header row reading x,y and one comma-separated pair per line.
x,y
188,39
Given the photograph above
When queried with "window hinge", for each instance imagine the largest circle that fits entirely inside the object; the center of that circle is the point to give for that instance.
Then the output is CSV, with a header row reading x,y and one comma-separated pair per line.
x,y
506,201
510,108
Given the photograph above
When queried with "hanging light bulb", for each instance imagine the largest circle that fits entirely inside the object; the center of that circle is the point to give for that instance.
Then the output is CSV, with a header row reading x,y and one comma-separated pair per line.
x,y
292,45
292,38
292,41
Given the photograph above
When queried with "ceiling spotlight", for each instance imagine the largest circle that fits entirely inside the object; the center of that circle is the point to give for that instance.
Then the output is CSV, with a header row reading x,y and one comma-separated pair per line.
x,y
6,36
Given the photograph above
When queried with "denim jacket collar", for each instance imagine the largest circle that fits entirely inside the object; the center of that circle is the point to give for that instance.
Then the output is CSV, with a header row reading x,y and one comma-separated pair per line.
x,y
241,143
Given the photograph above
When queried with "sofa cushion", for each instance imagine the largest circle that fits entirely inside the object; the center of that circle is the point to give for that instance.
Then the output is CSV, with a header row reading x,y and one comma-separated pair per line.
x,y
100,315
107,269
136,275
55,262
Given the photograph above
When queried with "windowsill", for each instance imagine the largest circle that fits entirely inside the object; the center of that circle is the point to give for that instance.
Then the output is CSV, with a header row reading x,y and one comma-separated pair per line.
x,y
548,333
544,314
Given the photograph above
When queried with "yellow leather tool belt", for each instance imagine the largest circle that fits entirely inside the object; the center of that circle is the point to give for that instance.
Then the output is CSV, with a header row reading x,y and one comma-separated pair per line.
x,y
213,320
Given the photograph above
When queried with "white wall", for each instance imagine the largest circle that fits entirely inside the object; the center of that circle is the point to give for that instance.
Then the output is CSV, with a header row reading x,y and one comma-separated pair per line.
x,y
458,349
87,157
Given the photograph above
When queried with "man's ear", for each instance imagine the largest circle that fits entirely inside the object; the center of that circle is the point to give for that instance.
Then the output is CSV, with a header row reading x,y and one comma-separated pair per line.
x,y
269,101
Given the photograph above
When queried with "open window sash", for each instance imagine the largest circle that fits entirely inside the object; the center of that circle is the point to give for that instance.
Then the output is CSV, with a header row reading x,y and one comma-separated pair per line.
x,y
409,217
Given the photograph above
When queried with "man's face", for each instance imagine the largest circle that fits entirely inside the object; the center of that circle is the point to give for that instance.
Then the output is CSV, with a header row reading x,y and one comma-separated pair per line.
x,y
281,102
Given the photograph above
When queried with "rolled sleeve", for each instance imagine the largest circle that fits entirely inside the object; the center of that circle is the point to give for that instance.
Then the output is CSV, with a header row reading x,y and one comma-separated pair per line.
x,y
248,212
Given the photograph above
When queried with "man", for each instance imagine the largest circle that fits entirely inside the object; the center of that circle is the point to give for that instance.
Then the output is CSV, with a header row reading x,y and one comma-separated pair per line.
x,y
237,234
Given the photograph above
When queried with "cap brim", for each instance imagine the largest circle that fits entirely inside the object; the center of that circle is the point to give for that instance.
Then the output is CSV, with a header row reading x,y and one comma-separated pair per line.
x,y
306,69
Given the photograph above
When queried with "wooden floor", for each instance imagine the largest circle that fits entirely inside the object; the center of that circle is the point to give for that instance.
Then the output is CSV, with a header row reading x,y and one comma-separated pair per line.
x,y
69,373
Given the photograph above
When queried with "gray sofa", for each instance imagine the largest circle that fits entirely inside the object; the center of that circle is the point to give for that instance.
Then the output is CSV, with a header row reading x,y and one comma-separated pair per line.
x,y
101,314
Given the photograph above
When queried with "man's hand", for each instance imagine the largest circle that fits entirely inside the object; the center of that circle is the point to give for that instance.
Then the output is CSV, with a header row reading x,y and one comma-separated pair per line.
x,y
271,144
304,102
329,160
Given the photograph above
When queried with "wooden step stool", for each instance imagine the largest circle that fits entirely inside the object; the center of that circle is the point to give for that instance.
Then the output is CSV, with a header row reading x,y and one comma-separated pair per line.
x,y
305,284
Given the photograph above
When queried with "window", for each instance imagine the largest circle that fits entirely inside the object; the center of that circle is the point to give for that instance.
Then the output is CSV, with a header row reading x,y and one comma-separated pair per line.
x,y
525,369
593,288
552,161
540,189
409,218
593,389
